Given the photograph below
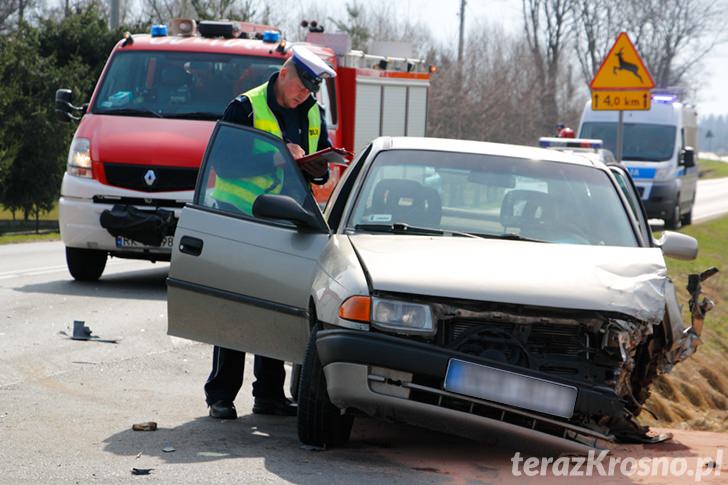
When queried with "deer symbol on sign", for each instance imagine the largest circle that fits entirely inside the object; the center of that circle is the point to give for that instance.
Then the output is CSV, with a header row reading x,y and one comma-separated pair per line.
x,y
626,66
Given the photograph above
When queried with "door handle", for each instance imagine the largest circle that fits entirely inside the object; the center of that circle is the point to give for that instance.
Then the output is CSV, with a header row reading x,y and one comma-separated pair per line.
x,y
191,245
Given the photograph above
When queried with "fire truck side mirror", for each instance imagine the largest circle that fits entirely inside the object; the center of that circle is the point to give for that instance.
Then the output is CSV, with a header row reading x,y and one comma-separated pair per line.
x,y
64,108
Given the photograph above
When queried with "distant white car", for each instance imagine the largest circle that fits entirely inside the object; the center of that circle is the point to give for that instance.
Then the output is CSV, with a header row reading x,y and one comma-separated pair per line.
x,y
453,284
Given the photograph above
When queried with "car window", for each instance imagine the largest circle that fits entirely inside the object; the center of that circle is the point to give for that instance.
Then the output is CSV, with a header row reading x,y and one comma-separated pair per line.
x,y
176,84
492,195
634,202
642,141
242,163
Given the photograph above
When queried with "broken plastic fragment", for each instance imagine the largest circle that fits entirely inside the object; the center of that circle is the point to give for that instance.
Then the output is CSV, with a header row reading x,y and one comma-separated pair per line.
x,y
148,426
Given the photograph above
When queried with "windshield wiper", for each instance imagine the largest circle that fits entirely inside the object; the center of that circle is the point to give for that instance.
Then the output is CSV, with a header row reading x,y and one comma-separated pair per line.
x,y
402,228
195,115
509,236
131,112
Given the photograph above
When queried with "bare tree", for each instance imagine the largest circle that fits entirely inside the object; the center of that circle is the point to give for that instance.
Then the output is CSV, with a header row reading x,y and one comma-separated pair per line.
x,y
224,9
547,28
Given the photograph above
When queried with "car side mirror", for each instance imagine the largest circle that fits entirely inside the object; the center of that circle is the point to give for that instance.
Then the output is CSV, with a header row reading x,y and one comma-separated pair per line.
x,y
271,206
688,157
678,246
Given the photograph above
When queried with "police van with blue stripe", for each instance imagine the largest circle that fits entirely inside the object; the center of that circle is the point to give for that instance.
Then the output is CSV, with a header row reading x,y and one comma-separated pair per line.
x,y
659,149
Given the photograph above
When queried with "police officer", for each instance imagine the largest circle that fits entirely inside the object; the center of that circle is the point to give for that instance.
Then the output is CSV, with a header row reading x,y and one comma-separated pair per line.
x,y
284,106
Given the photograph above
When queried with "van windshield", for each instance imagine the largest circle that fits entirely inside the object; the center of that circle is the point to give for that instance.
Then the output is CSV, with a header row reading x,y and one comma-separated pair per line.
x,y
642,141
189,85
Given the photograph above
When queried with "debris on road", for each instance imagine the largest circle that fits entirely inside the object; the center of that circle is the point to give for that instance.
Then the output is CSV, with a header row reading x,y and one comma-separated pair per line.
x,y
147,426
82,332
141,471
168,448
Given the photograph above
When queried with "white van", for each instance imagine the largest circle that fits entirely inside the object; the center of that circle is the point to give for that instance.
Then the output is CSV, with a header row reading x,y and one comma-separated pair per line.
x,y
658,148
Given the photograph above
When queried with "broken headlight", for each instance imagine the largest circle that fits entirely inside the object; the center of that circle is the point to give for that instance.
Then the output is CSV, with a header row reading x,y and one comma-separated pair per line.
x,y
402,317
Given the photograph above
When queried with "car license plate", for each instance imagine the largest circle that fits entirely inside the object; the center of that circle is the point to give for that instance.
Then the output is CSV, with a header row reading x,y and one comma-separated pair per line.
x,y
498,385
123,242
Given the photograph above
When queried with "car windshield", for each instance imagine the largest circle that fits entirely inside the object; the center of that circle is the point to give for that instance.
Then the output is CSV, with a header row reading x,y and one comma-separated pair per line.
x,y
445,193
188,85
642,141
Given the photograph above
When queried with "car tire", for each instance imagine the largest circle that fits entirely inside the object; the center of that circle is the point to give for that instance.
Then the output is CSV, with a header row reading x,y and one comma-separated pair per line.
x,y
295,381
85,264
320,423
673,220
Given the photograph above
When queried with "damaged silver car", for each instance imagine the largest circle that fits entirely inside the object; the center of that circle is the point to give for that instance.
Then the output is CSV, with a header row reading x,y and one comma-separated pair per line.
x,y
461,286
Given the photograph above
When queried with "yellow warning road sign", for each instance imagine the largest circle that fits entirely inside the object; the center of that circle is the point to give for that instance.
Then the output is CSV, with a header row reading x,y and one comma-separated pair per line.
x,y
622,69
620,100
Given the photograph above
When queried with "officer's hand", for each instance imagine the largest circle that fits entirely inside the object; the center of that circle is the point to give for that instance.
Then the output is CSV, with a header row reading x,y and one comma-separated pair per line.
x,y
296,150
315,168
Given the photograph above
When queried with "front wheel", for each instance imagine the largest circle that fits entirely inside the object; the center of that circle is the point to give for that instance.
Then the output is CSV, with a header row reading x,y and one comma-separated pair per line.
x,y
85,264
320,423
673,220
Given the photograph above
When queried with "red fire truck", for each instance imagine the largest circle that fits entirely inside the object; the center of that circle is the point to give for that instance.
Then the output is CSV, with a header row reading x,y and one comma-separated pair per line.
x,y
134,158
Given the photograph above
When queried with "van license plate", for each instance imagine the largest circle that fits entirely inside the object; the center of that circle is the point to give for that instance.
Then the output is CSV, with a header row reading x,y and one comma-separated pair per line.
x,y
502,386
124,242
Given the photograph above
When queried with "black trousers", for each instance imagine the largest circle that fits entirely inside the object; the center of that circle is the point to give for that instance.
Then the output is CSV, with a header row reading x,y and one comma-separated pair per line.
x,y
226,376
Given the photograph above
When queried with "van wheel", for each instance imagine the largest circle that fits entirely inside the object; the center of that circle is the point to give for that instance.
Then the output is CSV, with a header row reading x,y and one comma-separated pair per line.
x,y
673,221
320,423
687,219
85,264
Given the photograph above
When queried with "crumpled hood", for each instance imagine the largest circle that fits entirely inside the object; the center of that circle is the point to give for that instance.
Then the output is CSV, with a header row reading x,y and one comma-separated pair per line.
x,y
615,279
148,141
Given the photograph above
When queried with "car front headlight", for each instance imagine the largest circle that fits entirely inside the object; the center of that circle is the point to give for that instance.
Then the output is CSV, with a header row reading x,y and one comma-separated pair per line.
x,y
402,317
79,158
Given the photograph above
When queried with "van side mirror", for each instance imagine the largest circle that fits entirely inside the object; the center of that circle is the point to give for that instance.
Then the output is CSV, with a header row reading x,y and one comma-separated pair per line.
x,y
688,157
64,108
678,246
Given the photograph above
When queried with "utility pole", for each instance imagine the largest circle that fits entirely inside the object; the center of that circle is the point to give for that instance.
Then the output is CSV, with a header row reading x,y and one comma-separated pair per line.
x,y
115,5
462,31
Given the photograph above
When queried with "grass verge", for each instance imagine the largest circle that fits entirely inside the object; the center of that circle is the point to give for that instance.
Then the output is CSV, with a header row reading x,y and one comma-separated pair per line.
x,y
22,238
712,169
695,394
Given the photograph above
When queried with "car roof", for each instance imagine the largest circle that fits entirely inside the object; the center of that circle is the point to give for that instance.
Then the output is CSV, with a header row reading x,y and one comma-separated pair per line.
x,y
481,148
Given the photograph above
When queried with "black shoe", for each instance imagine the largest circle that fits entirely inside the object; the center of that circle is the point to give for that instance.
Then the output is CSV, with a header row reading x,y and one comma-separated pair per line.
x,y
275,407
223,410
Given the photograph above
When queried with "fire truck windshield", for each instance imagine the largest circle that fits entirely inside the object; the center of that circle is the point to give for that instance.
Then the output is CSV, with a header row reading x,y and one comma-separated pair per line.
x,y
178,84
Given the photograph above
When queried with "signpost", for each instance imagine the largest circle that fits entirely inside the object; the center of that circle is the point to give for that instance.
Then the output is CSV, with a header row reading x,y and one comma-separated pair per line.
x,y
622,83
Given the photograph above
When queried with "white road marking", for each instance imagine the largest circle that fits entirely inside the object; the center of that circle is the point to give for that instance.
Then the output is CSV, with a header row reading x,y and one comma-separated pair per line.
x,y
56,269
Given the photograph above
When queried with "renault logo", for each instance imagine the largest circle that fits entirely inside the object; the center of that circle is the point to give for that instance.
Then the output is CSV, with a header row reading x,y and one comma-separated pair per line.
x,y
150,177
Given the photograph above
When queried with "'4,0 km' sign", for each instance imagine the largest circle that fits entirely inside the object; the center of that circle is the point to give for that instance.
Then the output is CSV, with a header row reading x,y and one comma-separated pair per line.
x,y
619,100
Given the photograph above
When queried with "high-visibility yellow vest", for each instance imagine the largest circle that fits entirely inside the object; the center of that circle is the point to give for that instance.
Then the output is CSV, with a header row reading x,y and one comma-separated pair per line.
x,y
242,192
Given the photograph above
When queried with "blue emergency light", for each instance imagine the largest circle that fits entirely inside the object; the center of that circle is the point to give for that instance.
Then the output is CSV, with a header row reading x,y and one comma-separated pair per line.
x,y
158,30
548,142
271,36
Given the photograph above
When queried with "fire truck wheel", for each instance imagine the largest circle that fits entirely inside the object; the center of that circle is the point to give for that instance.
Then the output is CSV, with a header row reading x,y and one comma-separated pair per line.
x,y
85,264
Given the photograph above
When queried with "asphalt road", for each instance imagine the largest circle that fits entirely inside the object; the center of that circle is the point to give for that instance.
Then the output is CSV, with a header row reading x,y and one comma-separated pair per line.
x,y
67,407
711,199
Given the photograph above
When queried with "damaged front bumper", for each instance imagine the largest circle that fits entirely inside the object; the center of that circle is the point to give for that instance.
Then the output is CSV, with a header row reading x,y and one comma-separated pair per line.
x,y
404,380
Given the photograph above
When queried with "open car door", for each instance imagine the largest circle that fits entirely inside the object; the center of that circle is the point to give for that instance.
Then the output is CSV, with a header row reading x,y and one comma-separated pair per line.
x,y
240,280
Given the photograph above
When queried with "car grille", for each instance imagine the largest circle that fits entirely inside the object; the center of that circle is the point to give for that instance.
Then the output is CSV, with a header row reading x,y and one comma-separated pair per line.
x,y
537,337
165,178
